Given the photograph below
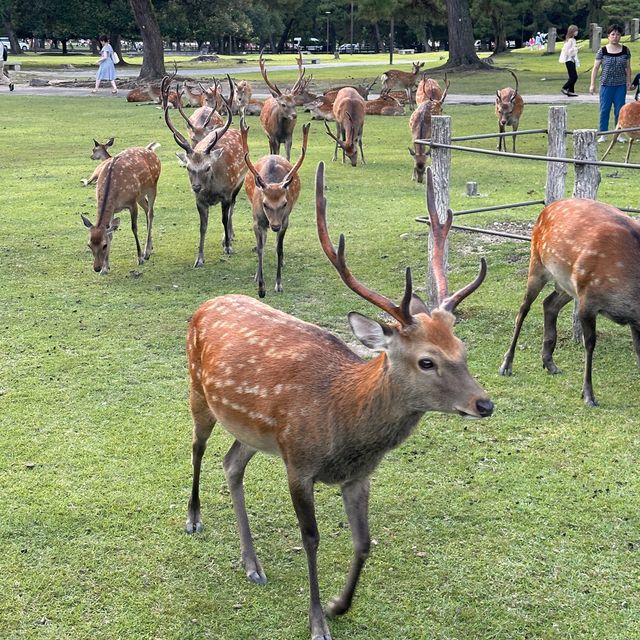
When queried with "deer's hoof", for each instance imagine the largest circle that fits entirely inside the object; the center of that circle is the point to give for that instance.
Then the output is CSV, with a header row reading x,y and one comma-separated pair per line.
x,y
336,607
199,263
278,288
505,369
258,577
194,527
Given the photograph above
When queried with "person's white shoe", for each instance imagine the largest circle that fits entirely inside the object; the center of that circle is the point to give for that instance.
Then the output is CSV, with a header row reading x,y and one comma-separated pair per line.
x,y
602,139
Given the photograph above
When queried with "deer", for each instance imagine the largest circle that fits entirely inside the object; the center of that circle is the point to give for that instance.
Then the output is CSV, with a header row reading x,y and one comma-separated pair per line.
x,y
362,89
202,121
401,80
243,92
278,115
287,387
385,105
216,170
304,95
348,112
321,108
273,188
420,127
125,181
628,117
509,107
428,89
145,93
591,251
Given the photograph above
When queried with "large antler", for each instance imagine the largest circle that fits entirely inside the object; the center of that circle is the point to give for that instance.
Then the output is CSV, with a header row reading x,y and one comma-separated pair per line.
x,y
297,87
244,131
178,137
180,93
275,92
516,79
401,313
440,231
221,131
446,88
305,137
333,136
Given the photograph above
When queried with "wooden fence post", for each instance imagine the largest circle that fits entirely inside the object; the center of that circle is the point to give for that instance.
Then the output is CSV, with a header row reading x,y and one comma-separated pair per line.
x,y
441,164
556,148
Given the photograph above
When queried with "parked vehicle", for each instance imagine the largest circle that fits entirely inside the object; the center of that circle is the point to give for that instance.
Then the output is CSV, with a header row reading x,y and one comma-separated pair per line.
x,y
21,43
308,44
349,48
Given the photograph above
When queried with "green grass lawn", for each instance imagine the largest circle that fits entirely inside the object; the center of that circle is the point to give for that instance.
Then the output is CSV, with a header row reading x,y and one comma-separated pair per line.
x,y
525,525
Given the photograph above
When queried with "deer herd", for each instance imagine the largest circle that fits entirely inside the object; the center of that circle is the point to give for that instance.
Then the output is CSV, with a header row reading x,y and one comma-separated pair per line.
x,y
290,388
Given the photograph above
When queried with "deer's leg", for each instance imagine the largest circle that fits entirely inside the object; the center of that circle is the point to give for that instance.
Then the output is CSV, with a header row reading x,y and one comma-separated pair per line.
x,y
234,465
280,255
147,204
626,160
361,151
537,279
203,422
355,496
635,336
501,138
287,146
614,139
227,225
552,305
301,490
134,228
513,138
203,210
261,238
338,137
588,323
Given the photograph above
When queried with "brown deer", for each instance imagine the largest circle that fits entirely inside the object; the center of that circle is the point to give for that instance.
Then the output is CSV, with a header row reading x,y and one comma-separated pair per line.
x,y
278,115
429,89
321,109
628,117
287,387
362,89
385,105
420,127
216,170
272,189
304,95
124,182
243,94
348,112
401,80
509,107
202,121
254,108
144,93
591,251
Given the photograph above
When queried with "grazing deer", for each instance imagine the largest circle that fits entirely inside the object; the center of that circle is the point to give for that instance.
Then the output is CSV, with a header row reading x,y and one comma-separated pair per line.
x,y
348,112
243,95
591,251
284,386
509,107
216,170
124,182
278,115
429,89
420,127
401,80
385,105
628,117
273,189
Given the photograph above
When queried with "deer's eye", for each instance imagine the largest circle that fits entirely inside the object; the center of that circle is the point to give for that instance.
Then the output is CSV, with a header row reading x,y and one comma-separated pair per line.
x,y
426,364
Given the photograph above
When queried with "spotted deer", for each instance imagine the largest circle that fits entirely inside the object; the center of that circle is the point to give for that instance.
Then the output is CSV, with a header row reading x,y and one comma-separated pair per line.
x,y
216,170
591,252
321,108
385,105
144,93
278,115
429,89
401,80
201,122
348,112
420,127
243,94
509,107
272,187
628,118
287,387
124,181
362,89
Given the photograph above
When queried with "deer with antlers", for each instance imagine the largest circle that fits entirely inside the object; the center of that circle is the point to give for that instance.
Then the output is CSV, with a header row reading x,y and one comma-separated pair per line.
x,y
591,251
509,107
278,115
202,121
272,187
124,181
420,127
401,80
216,170
284,386
348,112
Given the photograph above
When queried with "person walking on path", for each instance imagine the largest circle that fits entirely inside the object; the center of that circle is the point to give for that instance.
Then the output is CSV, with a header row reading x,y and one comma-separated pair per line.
x,y
4,75
615,60
569,55
107,70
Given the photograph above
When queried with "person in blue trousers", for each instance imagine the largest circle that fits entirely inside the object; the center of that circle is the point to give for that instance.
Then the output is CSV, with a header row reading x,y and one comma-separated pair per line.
x,y
615,81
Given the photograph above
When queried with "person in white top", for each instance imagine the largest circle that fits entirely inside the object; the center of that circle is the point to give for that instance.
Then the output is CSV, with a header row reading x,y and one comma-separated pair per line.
x,y
4,75
569,55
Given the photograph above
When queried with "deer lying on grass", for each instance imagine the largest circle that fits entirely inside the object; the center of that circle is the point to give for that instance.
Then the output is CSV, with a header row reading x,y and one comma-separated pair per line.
x,y
591,251
362,89
628,118
278,115
144,93
216,170
385,105
321,108
401,80
124,182
509,107
348,112
420,127
272,187
303,394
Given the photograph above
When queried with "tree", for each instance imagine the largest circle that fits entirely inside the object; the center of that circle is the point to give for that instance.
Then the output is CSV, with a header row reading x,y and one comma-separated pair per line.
x,y
462,52
153,55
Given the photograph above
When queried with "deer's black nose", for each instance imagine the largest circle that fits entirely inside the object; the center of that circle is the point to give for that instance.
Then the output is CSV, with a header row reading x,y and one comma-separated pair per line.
x,y
484,407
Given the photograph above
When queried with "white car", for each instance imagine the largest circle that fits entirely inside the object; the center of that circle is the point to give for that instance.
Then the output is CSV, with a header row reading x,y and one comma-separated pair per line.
x,y
348,48
21,43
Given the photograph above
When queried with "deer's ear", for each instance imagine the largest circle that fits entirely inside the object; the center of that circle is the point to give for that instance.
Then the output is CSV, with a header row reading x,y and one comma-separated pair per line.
x,y
87,222
109,142
371,333
417,306
216,153
115,223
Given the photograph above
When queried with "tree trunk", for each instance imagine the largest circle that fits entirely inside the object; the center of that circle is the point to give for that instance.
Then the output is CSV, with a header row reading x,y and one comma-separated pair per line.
x,y
285,36
462,52
153,51
116,43
10,31
378,39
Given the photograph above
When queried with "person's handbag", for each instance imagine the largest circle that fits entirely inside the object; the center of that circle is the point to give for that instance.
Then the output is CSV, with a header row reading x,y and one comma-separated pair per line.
x,y
114,57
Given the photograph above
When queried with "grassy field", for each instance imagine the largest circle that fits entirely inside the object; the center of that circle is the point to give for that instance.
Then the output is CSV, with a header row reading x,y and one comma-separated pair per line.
x,y
525,525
